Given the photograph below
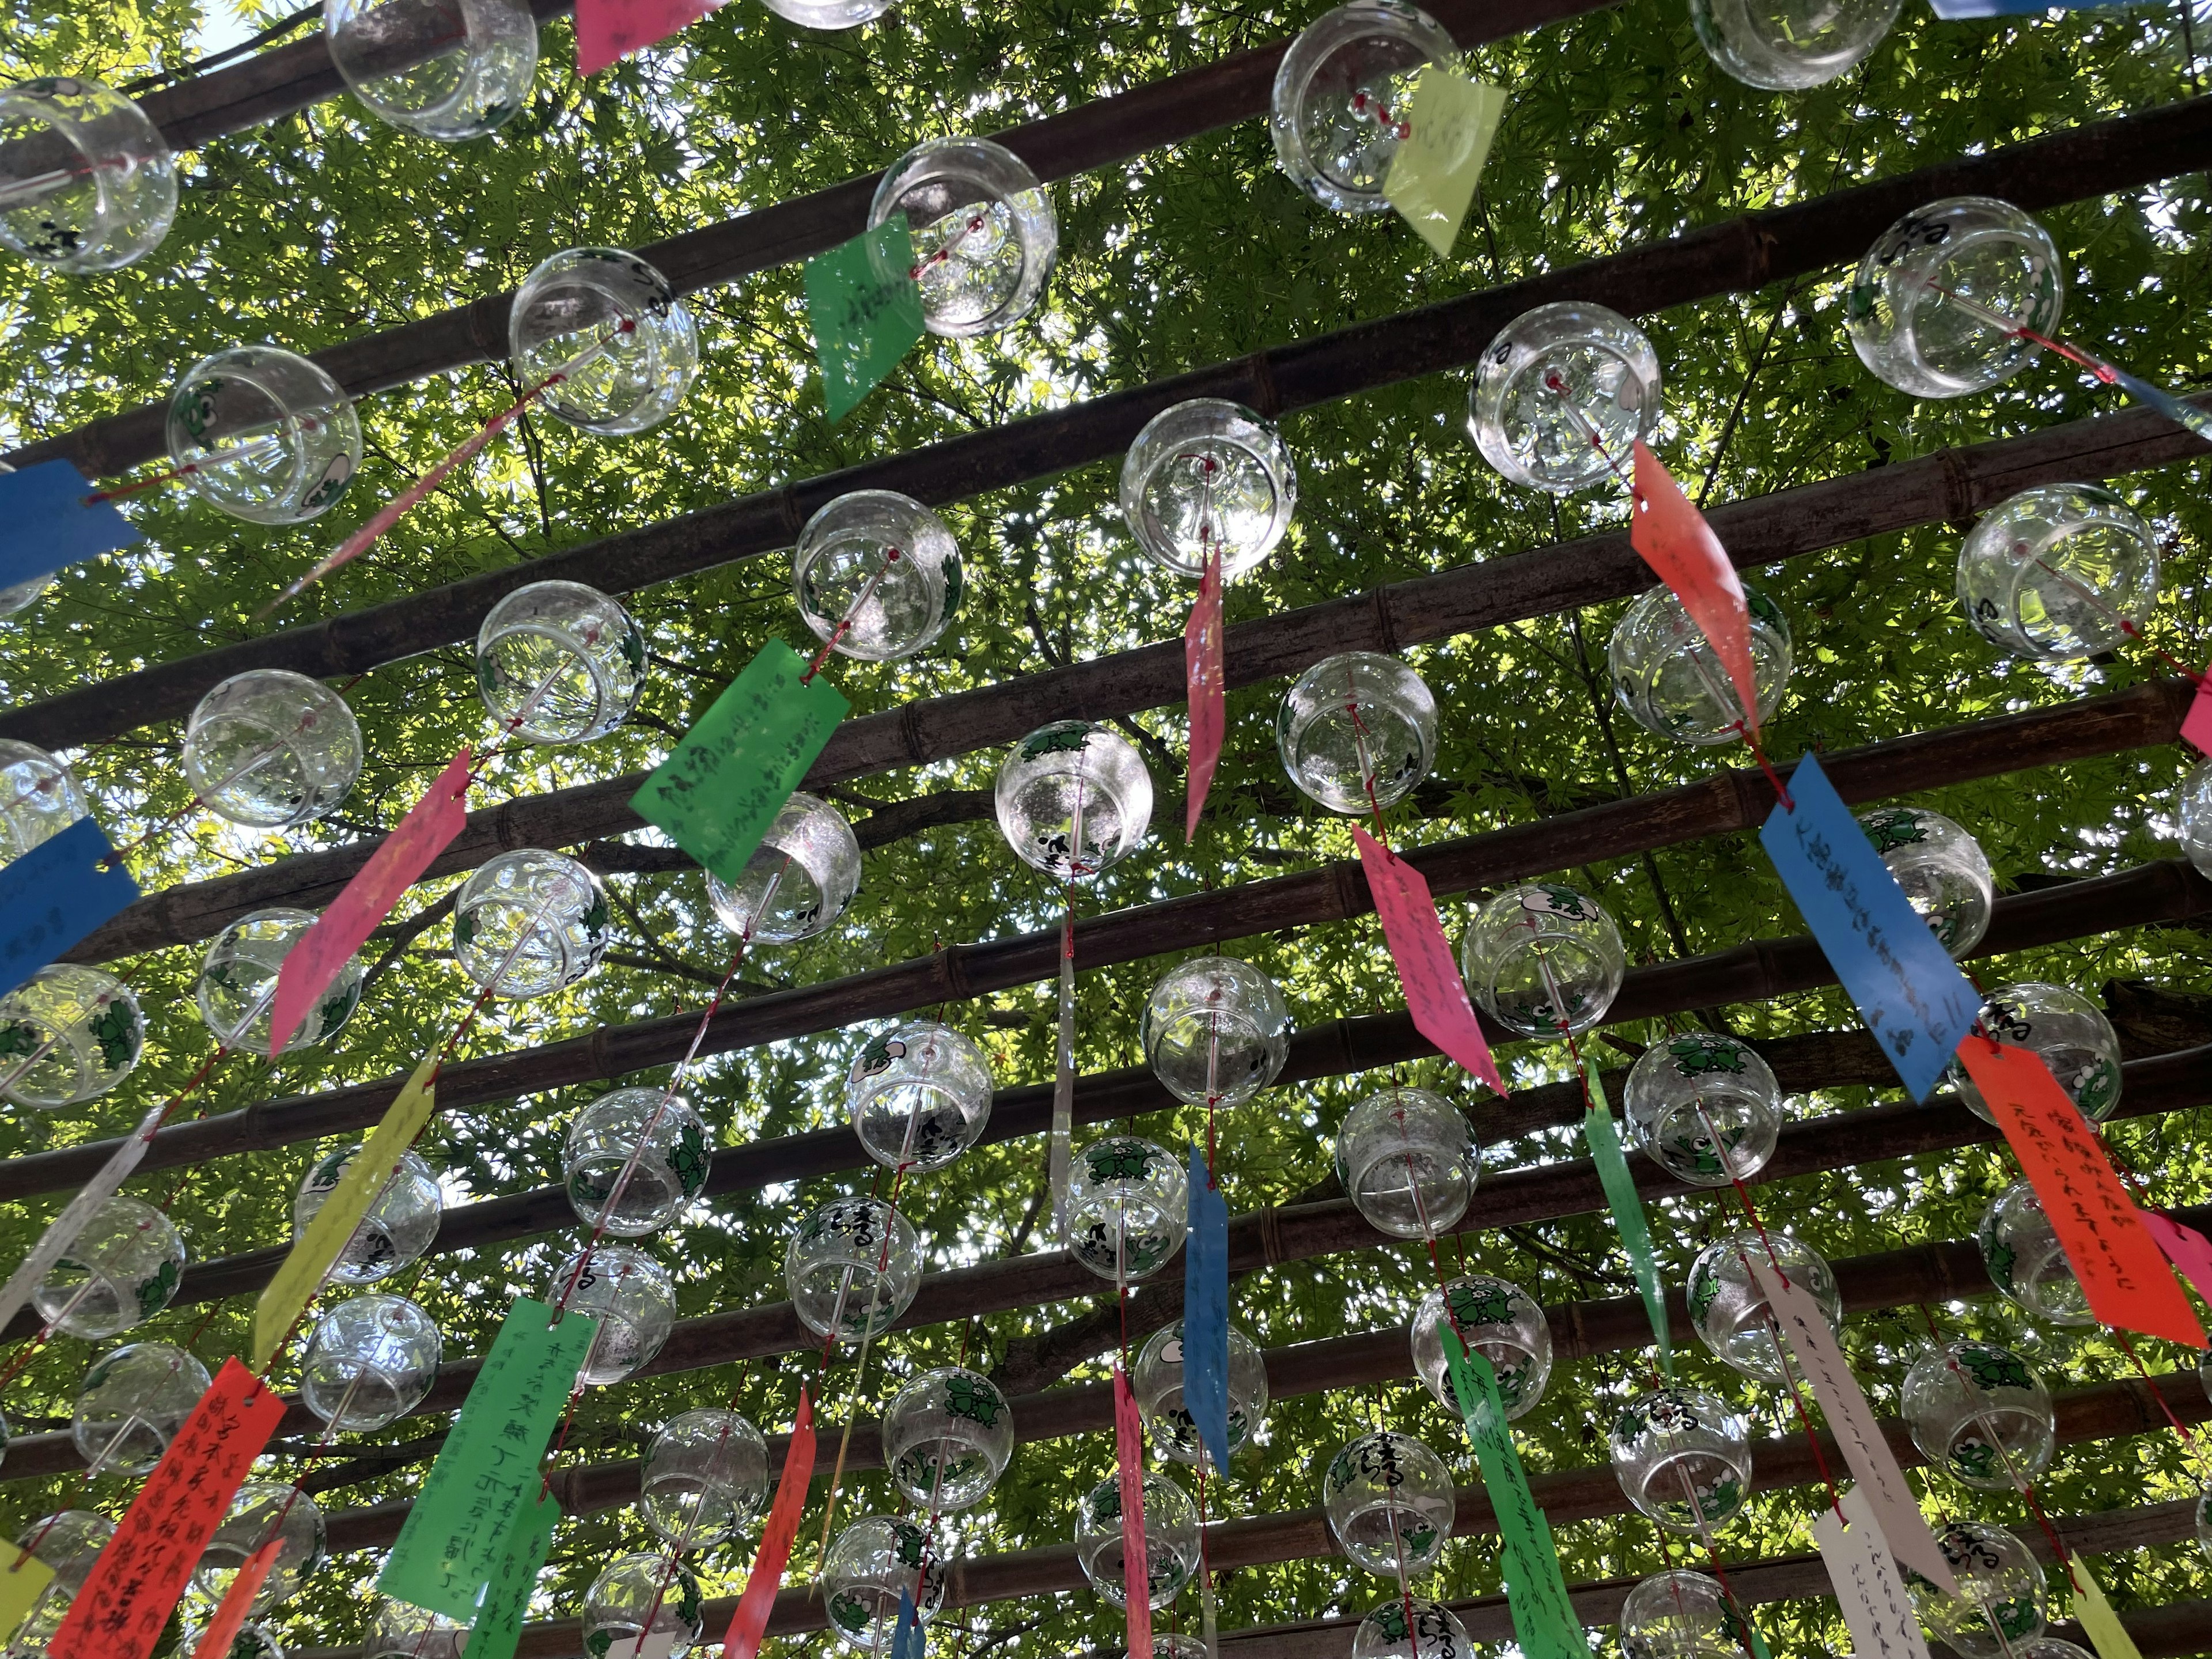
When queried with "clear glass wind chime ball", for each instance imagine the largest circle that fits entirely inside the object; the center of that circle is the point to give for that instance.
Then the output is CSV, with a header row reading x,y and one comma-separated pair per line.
x,y
705,1476
133,1401
948,1435
263,433
1730,1313
530,922
370,1361
874,1561
237,984
249,1523
1157,1382
1407,1162
253,1641
829,14
39,799
122,1269
2024,1260
1126,1214
919,1095
851,1268
1786,45
2059,573
1562,395
2066,1030
1704,1108
798,881
1389,1500
1208,477
1668,676
67,1544
1543,960
1358,732
629,1294
399,1630
1678,1614
475,78
1073,799
1980,1413
984,233
1339,109
644,1604
1497,1320
1179,1644
1683,1457
68,1034
671,1149
1170,1528
2196,817
1217,1029
876,574
1435,1632
559,662
2000,1605
610,326
86,181
1944,872
1934,307
401,1221
271,750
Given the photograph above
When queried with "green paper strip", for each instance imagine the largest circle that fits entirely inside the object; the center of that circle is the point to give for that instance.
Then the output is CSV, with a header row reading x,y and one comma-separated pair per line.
x,y
498,1628
866,310
486,1478
720,790
1438,163
1627,1209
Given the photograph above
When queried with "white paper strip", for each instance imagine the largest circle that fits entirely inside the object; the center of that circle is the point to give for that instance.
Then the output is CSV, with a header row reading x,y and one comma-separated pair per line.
x,y
1868,1587
62,1231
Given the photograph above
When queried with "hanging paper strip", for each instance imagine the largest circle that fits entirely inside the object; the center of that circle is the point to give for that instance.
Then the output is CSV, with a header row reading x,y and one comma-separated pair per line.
x,y
47,520
2106,1634
1450,121
608,31
314,961
1129,1461
750,1622
1205,680
2189,1250
2177,410
497,1631
1059,1154
62,1231
2123,1271
1680,546
720,789
1205,1313
1868,1590
1604,1141
866,310
906,1635
1908,990
133,1587
237,1601
22,1581
2196,725
56,893
1436,996
486,1476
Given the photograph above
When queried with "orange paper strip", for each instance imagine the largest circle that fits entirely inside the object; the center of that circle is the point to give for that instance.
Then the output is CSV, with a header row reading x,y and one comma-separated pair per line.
x,y
750,1622
1129,1462
237,1601
1679,546
1205,684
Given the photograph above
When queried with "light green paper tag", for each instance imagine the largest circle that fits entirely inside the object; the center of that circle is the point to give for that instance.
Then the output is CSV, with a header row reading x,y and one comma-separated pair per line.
x,y
865,311
498,1628
22,1581
1627,1209
1450,121
718,791
2106,1634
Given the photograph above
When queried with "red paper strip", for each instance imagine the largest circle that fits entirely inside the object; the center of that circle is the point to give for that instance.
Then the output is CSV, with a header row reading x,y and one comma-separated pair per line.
x,y
134,1585
1129,1459
2184,1247
326,948
237,1601
2123,1271
750,1621
2196,725
1205,679
608,31
1436,996
1679,546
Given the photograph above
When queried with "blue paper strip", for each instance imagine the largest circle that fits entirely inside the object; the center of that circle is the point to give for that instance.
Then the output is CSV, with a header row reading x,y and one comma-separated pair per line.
x,y
53,896
44,523
1206,1313
906,1636
1909,992
1952,11
2158,398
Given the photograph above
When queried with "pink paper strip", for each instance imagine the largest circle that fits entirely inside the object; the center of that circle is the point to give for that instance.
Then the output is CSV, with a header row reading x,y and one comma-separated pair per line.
x,y
1129,1458
608,31
237,1601
2184,1247
1204,676
1681,547
1436,996
2196,725
750,1622
310,966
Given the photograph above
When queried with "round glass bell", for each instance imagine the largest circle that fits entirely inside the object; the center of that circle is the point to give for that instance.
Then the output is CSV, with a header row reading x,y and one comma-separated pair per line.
x,y
38,798
1942,869
1543,960
250,1522
2000,1604
1435,1633
1935,307
1704,1108
68,1034
1562,396
1786,45
1157,1382
1671,682
402,1219
134,1400
400,1631
2196,817
253,1641
873,1563
1170,1541
705,1476
1204,477
270,748
1125,1208
799,880
67,1544
1216,1029
669,1142
2058,573
86,181
1175,1645
828,13
919,1095
1339,109
263,434
1407,1162
238,983
370,1361
876,574
608,332
1978,1411
123,1268
1683,1457
1073,799
482,57
530,922
632,1297
1678,1614
2067,1031
2021,1251
1389,1500
948,1435
1358,732
1499,1320
559,662
983,228
853,1267
2050,1647
644,1604
1728,1310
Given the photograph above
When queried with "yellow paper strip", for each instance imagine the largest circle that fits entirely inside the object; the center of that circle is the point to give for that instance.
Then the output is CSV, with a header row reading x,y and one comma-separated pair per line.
x,y
300,1275
1450,121
2106,1634
23,1579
